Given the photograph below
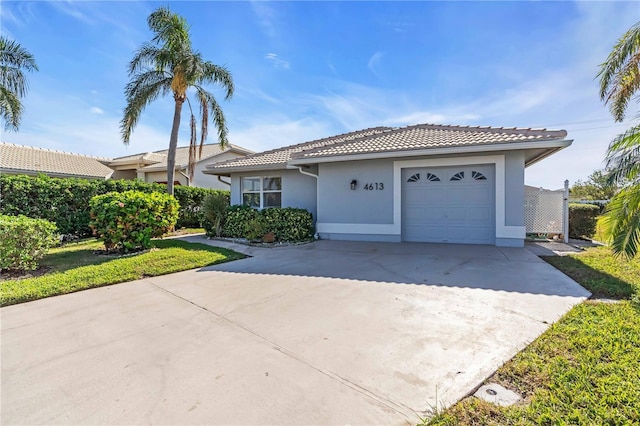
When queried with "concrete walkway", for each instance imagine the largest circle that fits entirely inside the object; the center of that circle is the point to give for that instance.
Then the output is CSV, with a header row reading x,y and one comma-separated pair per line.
x,y
325,333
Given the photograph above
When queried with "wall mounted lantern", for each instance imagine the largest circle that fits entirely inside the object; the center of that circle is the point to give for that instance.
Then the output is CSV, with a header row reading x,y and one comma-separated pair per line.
x,y
354,185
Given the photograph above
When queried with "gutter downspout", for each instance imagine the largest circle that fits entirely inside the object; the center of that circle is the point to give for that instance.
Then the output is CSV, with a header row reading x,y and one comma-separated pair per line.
x,y
223,181
316,236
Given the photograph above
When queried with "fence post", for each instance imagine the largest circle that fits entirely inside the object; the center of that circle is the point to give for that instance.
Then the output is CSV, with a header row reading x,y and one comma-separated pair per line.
x,y
565,211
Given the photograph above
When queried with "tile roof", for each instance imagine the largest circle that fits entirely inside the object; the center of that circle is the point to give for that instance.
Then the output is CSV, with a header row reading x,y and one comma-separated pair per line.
x,y
431,136
40,160
280,157
182,155
157,160
388,140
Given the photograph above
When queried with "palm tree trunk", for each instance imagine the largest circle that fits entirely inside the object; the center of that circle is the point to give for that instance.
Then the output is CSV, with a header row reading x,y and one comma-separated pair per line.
x,y
173,144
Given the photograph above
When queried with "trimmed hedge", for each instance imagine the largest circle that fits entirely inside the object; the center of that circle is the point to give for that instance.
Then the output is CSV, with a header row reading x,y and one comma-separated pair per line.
x,y
236,220
582,220
126,221
286,223
24,241
66,201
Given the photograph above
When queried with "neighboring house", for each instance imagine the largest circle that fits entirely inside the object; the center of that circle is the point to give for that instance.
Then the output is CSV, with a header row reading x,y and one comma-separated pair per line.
x,y
152,166
28,160
431,183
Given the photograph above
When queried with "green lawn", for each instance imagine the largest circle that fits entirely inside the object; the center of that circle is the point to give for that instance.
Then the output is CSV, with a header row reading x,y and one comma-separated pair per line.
x,y
76,267
584,370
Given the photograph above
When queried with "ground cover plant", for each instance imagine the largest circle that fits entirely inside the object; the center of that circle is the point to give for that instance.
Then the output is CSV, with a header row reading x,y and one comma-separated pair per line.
x,y
78,266
584,370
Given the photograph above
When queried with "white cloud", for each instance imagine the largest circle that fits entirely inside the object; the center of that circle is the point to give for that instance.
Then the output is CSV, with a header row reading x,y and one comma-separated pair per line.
x,y
374,62
278,130
266,16
96,110
276,61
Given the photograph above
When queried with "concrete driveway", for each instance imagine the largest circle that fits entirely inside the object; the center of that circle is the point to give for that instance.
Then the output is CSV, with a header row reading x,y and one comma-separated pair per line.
x,y
325,333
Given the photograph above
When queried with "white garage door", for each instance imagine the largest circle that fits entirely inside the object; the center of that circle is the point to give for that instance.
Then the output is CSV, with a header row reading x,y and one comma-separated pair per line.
x,y
449,204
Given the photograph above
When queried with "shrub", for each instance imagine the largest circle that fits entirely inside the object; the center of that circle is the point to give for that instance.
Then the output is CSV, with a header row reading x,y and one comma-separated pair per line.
x,y
126,221
191,202
582,220
236,220
289,224
214,210
23,241
66,201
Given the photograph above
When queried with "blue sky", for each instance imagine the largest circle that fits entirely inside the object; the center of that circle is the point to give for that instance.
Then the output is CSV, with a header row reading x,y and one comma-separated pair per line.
x,y
305,70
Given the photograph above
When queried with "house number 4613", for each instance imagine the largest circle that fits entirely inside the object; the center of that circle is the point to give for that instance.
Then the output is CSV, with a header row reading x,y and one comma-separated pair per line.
x,y
378,186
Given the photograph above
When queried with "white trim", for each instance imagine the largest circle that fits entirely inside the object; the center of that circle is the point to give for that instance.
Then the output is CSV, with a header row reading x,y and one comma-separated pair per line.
x,y
357,228
502,230
262,191
435,151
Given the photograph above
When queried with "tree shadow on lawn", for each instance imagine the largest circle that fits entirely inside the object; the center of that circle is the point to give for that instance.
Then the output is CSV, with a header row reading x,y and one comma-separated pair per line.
x,y
601,284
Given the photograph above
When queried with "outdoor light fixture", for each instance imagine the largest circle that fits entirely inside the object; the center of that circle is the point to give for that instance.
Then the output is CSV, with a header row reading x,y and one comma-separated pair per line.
x,y
354,184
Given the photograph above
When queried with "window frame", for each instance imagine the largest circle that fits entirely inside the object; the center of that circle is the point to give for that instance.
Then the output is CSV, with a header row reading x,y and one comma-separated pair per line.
x,y
261,190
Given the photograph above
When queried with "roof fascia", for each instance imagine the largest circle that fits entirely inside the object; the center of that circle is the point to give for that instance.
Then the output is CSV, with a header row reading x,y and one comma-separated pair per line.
x,y
554,144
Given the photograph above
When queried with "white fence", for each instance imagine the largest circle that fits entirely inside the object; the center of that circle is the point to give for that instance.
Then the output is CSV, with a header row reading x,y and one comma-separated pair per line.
x,y
546,211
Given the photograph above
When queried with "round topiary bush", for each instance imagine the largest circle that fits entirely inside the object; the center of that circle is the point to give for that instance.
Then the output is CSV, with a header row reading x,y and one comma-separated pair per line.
x,y
127,221
24,241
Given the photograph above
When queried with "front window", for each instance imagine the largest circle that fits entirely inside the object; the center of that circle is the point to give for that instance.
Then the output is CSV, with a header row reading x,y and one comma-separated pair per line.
x,y
262,192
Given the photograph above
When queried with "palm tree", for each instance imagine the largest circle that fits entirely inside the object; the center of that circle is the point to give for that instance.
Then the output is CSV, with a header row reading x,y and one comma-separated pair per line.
x,y
619,81
13,83
168,64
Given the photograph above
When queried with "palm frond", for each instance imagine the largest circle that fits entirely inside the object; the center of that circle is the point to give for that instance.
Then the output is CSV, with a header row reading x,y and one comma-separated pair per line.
x,y
216,114
140,92
619,73
10,109
621,222
13,54
171,29
212,73
12,78
623,157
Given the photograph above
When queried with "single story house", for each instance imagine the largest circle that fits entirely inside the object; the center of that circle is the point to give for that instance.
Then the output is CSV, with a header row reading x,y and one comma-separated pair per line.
x,y
423,183
28,160
152,166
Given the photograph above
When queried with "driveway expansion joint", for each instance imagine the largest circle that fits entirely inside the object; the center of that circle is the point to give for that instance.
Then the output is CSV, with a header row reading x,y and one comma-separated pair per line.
x,y
400,408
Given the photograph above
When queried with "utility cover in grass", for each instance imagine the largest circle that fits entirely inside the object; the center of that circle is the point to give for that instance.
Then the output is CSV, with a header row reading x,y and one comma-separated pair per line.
x,y
497,394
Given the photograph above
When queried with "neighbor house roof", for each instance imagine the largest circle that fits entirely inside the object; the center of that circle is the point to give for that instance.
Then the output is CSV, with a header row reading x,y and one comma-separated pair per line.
x,y
420,139
22,159
281,156
157,160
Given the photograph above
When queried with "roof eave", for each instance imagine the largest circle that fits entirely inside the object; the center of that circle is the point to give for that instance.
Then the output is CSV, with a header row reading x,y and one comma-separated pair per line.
x,y
553,144
29,172
241,169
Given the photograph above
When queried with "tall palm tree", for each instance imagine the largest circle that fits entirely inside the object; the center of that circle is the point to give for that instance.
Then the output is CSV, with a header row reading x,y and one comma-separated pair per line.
x,y
619,81
13,83
168,64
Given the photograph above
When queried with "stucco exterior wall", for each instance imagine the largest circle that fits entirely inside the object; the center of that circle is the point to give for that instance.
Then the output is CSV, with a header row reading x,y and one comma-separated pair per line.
x,y
124,174
338,203
298,190
339,206
151,177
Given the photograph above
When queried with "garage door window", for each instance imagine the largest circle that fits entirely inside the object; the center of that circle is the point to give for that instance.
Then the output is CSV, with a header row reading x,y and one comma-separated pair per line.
x,y
428,176
261,192
457,176
478,175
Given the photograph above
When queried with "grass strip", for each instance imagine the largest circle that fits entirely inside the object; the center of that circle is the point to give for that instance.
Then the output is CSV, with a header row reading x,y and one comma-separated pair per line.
x,y
584,370
601,273
76,267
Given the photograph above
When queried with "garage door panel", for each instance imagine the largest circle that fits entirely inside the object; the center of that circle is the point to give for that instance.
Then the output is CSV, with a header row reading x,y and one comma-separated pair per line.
x,y
425,233
434,193
456,211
